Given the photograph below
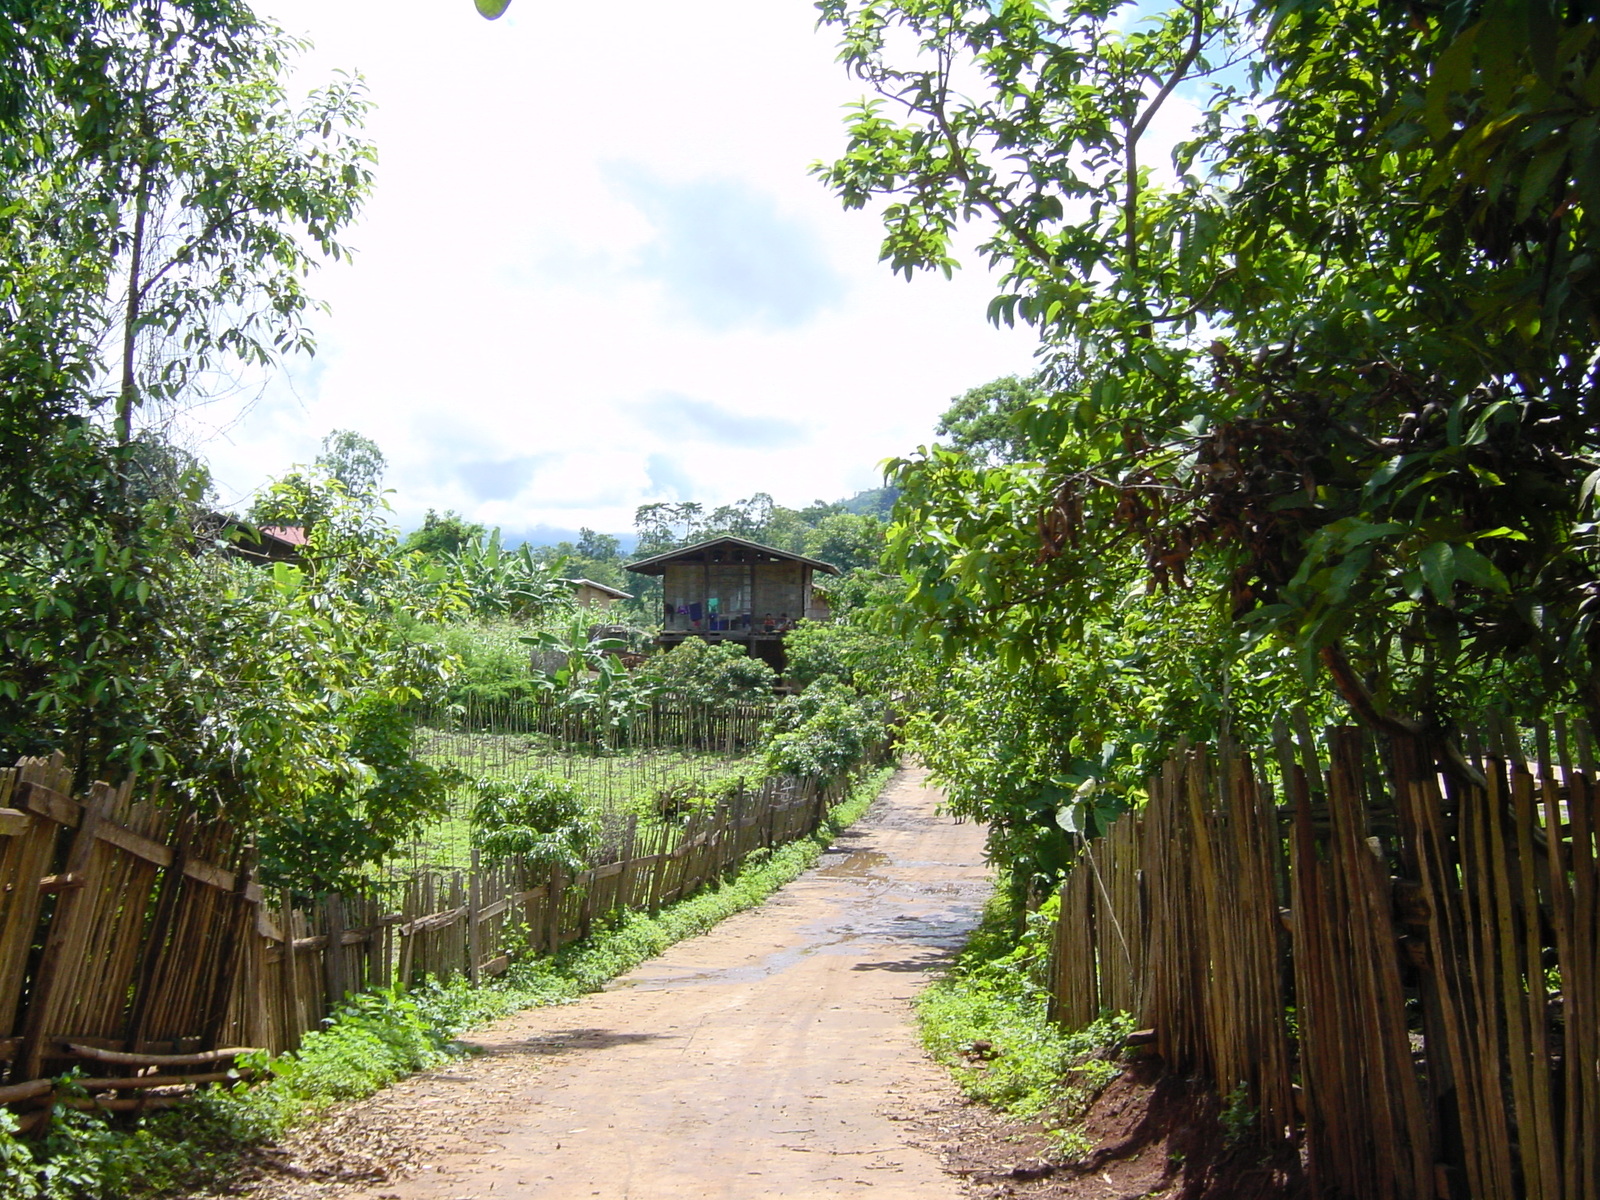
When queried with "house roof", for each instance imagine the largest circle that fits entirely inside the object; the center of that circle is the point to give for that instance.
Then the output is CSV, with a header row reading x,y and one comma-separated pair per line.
x,y
726,549
607,589
291,535
260,543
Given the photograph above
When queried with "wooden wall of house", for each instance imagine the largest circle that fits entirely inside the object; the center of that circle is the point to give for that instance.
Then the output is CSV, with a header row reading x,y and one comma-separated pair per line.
x,y
729,583
682,584
781,590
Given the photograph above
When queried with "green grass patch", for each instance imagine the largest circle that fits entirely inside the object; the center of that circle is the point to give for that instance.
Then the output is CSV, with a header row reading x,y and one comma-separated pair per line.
x,y
371,1041
988,1021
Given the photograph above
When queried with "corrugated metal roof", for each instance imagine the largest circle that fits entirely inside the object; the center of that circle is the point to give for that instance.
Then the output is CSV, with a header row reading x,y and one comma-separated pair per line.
x,y
656,564
294,535
603,587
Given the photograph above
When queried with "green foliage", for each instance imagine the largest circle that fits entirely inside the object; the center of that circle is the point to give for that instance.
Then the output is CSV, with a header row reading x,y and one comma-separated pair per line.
x,y
90,1156
849,541
440,535
596,556
355,461
356,821
713,674
1238,1118
18,1174
540,820
1048,749
513,583
822,732
372,1040
987,423
1333,371
489,656
876,502
851,648
988,1021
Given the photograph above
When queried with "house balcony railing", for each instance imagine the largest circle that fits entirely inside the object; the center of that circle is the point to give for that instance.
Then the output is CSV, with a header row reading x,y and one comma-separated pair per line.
x,y
695,619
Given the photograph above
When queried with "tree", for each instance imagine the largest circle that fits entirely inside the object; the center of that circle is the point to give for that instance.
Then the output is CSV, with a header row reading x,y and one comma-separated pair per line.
x,y
355,461
849,541
598,547
986,422
225,184
157,192
1335,368
440,535
666,526
712,674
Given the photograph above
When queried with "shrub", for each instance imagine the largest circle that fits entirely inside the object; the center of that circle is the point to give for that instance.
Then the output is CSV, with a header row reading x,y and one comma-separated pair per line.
x,y
372,1040
539,819
822,733
713,674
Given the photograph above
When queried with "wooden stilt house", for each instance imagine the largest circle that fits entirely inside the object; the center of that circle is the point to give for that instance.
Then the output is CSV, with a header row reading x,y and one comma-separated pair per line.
x,y
730,589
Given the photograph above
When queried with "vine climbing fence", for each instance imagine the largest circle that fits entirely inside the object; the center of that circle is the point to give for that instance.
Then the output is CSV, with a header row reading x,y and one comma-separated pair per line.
x,y
1387,948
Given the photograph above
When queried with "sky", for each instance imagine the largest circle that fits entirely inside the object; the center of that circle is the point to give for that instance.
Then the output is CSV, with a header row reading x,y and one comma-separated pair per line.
x,y
596,273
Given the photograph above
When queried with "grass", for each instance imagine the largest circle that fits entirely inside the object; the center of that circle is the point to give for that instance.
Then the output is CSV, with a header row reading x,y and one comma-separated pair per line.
x,y
370,1042
988,1021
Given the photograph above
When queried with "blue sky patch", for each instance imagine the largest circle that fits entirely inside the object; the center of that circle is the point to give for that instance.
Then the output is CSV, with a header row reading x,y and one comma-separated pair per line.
x,y
499,480
678,417
726,255
668,478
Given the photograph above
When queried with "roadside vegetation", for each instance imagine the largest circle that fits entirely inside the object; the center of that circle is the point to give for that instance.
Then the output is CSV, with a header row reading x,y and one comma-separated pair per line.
x,y
988,1020
371,1041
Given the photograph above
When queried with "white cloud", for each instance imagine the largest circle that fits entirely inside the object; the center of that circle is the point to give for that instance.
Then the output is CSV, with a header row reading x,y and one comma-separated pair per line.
x,y
581,210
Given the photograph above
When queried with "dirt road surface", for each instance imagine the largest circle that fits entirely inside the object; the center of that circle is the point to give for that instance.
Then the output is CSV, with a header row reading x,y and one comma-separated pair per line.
x,y
775,1056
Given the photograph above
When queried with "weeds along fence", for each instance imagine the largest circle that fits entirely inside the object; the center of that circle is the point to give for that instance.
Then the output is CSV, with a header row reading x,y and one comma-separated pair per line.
x,y
667,720
1387,951
138,945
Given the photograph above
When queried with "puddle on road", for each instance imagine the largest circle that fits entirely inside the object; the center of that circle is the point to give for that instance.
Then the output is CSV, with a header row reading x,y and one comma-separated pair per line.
x,y
855,864
934,916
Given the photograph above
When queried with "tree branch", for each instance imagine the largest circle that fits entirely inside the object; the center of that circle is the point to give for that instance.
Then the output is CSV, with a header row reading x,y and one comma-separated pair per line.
x,y
1356,695
1004,216
1130,209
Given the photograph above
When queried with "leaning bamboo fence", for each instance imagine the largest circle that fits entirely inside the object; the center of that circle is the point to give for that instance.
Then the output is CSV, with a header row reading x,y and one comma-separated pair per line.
x,y
1390,948
137,944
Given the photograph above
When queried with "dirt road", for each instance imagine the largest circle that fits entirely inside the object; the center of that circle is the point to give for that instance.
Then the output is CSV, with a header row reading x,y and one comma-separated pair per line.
x,y
774,1056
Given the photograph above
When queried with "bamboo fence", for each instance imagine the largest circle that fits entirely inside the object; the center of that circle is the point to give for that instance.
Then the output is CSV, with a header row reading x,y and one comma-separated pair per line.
x,y
1390,948
137,943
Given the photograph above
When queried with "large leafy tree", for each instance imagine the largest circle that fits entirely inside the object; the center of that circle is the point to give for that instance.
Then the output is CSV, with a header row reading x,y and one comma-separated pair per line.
x,y
160,203
1334,365
986,422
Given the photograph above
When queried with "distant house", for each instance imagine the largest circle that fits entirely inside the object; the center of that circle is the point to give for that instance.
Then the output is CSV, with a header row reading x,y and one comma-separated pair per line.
x,y
590,594
256,543
728,589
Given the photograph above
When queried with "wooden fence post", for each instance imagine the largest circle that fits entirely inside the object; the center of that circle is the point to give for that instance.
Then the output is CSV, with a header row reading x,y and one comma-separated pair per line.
x,y
292,1027
333,954
241,925
156,937
474,951
553,908
66,936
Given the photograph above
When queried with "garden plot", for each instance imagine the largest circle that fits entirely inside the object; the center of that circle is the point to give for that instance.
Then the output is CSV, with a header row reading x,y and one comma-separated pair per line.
x,y
641,787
